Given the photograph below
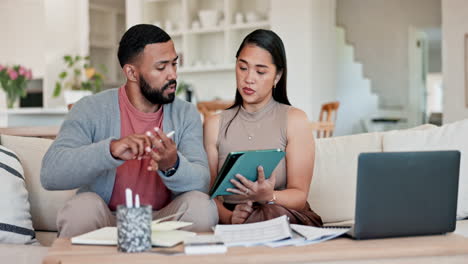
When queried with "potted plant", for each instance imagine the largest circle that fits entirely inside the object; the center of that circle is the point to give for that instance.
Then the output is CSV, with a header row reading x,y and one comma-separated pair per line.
x,y
78,79
185,88
13,81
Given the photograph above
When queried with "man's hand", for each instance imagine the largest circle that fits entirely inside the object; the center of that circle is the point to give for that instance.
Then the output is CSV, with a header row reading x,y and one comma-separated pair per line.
x,y
163,153
241,213
130,147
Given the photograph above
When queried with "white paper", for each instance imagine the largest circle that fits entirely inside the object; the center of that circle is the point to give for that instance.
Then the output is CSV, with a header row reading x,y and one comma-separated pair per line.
x,y
314,234
296,239
256,233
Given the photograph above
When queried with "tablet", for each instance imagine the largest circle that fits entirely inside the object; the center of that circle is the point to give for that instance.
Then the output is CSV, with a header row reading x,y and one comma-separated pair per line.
x,y
245,163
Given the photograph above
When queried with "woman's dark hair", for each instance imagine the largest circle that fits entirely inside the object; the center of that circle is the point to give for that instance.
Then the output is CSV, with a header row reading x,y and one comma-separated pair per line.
x,y
133,42
271,42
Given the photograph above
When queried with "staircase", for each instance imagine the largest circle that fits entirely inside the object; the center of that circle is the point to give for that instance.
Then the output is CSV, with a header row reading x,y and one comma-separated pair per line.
x,y
357,101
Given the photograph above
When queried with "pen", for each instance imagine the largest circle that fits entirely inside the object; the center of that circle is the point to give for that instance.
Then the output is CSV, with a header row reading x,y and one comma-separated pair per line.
x,y
137,201
128,198
170,134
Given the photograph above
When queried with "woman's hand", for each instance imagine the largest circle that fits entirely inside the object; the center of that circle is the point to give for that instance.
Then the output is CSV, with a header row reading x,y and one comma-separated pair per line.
x,y
259,191
241,213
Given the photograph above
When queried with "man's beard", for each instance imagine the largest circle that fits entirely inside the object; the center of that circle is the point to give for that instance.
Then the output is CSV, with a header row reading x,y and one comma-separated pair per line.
x,y
156,96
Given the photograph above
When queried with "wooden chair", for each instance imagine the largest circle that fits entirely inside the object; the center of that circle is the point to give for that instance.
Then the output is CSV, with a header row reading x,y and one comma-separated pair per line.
x,y
322,129
208,108
326,124
329,111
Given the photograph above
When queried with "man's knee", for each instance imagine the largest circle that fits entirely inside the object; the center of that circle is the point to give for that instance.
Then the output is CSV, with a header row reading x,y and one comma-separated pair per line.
x,y
201,211
83,213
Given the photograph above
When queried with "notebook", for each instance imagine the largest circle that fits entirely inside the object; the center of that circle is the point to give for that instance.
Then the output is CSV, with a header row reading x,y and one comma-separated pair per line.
x,y
164,234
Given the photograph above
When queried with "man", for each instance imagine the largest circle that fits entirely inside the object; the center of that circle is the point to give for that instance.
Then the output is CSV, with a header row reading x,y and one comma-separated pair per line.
x,y
114,140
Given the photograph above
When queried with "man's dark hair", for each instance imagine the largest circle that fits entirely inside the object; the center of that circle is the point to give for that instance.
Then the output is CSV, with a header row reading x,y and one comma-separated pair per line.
x,y
136,38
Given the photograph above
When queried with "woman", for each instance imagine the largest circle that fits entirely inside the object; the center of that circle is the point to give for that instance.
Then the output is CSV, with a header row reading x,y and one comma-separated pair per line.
x,y
262,118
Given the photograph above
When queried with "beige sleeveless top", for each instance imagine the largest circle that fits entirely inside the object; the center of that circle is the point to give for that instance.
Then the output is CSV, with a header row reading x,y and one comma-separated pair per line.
x,y
264,129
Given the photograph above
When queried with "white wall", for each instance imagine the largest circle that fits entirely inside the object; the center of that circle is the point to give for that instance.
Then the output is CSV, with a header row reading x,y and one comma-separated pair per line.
x,y
66,32
22,42
379,31
307,28
22,30
454,27
38,33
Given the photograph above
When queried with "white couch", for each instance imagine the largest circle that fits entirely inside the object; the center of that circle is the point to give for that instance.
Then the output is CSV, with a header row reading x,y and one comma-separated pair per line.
x,y
332,192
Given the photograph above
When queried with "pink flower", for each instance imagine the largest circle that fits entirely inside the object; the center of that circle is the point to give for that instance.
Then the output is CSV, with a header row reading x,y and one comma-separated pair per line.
x,y
22,71
29,75
2,67
12,73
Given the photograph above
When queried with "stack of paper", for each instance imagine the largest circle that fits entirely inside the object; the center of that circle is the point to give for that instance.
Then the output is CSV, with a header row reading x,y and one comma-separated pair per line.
x,y
256,233
275,233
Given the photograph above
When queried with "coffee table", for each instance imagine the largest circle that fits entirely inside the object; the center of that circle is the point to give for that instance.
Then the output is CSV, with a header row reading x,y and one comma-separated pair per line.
x,y
450,248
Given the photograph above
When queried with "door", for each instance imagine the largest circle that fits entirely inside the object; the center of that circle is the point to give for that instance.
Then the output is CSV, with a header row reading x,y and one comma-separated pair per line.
x,y
418,67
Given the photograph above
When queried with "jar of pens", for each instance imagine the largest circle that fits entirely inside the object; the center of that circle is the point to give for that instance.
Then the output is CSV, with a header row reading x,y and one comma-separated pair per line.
x,y
133,225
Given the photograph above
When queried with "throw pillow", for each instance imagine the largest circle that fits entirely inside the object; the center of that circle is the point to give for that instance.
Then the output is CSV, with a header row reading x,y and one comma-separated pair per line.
x,y
44,204
15,218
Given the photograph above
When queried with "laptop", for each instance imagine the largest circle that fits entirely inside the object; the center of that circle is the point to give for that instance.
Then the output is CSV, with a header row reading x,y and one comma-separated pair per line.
x,y
406,194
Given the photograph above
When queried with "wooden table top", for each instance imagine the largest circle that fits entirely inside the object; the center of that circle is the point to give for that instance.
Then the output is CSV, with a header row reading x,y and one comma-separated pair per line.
x,y
450,248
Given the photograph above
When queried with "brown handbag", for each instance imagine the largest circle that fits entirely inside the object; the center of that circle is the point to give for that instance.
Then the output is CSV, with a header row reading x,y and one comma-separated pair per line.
x,y
262,212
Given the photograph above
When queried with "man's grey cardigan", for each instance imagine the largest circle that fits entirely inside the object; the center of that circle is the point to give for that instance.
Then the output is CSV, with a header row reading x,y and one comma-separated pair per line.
x,y
80,155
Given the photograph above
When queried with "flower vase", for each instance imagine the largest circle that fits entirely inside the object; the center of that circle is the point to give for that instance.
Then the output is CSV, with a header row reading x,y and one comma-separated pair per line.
x,y
11,100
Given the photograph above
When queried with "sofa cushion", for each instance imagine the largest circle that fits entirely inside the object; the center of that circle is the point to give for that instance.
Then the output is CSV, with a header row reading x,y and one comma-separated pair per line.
x,y
448,137
333,190
44,204
15,218
462,228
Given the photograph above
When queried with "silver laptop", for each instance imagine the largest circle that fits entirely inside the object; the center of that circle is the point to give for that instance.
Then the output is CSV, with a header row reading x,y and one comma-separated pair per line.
x,y
406,194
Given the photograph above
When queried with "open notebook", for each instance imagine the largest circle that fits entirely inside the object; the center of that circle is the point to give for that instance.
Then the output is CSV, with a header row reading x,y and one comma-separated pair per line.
x,y
163,235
